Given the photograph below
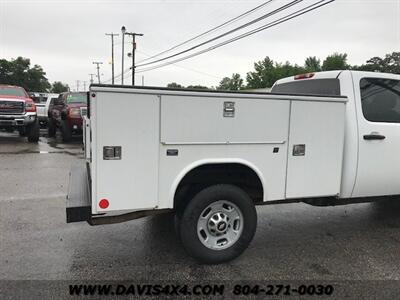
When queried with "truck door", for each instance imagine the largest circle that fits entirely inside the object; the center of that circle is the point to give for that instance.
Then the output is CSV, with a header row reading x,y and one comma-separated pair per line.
x,y
378,112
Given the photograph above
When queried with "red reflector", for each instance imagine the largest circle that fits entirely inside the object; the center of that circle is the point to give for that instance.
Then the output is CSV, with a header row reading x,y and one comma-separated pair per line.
x,y
304,76
104,203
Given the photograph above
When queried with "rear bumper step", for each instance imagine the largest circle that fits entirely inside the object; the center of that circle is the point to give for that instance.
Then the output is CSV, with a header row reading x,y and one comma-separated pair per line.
x,y
78,206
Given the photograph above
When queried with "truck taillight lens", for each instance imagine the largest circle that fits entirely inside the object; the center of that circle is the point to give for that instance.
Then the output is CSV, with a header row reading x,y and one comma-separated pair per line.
x,y
74,112
30,106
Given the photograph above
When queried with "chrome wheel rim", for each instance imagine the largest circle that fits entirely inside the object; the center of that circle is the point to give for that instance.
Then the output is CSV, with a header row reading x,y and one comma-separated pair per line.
x,y
220,225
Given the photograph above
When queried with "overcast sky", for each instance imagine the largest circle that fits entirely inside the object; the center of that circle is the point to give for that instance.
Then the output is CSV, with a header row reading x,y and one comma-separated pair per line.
x,y
65,37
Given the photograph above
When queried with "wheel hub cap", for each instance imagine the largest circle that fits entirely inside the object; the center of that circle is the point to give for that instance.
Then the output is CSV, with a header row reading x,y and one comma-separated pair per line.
x,y
220,225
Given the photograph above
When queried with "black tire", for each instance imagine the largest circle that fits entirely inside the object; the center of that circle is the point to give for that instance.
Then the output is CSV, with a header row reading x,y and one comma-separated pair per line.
x,y
22,131
33,131
177,224
66,131
51,128
188,223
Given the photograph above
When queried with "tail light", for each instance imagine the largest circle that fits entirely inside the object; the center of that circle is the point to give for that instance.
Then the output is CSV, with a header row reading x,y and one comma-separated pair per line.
x,y
30,106
304,76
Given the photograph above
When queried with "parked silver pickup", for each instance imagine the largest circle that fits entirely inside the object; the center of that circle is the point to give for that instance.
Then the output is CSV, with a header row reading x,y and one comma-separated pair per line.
x,y
42,101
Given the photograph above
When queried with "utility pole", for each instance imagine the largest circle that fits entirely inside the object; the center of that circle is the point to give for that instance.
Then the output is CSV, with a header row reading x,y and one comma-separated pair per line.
x,y
112,54
91,77
84,85
142,80
123,30
77,85
98,63
133,53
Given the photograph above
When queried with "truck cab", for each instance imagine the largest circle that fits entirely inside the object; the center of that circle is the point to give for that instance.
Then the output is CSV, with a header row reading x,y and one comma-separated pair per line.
x,y
18,112
371,165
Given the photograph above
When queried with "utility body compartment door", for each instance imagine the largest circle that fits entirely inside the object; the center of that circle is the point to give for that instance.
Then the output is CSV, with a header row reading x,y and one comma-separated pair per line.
x,y
315,153
128,122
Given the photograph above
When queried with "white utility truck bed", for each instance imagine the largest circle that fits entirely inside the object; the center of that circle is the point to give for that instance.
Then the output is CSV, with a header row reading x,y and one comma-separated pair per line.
x,y
210,156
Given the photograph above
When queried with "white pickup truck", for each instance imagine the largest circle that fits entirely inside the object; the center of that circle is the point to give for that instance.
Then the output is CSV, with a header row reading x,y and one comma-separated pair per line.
x,y
42,101
322,138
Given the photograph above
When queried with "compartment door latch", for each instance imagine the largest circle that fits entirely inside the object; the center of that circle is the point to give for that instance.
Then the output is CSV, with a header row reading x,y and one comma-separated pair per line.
x,y
229,109
299,150
112,152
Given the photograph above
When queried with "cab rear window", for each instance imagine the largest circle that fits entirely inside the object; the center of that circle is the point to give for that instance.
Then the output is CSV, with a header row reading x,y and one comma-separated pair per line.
x,y
76,98
325,86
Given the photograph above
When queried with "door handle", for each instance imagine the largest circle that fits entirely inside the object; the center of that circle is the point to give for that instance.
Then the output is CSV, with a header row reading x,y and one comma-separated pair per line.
x,y
374,136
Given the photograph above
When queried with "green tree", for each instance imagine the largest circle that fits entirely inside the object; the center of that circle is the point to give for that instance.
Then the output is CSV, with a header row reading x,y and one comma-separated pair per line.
x,y
59,87
234,83
266,72
312,64
261,77
389,64
197,87
174,85
336,61
18,72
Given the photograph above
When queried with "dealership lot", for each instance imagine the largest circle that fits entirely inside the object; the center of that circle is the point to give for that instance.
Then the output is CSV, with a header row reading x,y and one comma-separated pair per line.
x,y
293,241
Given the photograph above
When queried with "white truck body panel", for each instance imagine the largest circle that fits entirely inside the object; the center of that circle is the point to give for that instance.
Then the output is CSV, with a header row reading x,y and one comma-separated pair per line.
x,y
370,168
193,123
378,171
320,126
132,182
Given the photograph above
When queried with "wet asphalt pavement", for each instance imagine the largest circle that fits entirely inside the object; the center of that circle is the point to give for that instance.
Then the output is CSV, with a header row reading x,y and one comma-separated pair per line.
x,y
347,244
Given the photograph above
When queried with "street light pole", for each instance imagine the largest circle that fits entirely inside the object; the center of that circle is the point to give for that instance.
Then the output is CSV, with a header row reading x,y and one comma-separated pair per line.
x,y
123,30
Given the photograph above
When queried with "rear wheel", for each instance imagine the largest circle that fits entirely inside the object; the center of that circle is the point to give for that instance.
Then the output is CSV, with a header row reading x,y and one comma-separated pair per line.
x,y
218,224
66,131
32,131
51,128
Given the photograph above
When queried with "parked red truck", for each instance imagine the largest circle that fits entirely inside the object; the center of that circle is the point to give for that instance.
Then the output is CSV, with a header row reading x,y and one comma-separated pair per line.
x,y
65,113
18,112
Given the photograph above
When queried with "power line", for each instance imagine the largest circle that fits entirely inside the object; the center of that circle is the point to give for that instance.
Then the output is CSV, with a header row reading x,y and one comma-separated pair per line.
x,y
286,6
261,28
230,21
264,16
176,65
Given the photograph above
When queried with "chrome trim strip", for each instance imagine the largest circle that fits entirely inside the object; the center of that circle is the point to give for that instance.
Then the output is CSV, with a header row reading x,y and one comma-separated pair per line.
x,y
225,143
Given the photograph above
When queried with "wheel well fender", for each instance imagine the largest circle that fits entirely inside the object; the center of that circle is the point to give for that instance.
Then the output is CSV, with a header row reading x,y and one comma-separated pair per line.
x,y
223,166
